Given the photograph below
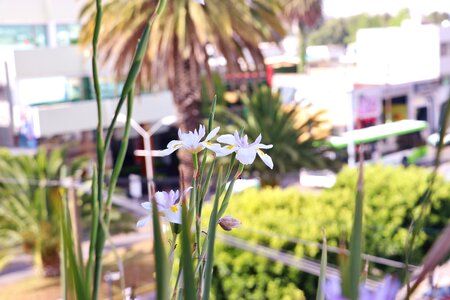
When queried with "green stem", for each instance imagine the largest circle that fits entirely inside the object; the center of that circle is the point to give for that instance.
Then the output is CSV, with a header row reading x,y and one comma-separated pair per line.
x,y
356,239
104,216
226,200
102,146
135,68
97,197
93,236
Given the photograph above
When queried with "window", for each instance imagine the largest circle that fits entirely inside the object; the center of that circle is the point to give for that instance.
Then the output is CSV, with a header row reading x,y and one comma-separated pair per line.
x,y
67,34
23,35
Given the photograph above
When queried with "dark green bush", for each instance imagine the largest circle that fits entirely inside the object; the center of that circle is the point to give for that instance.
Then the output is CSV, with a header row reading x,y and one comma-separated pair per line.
x,y
269,215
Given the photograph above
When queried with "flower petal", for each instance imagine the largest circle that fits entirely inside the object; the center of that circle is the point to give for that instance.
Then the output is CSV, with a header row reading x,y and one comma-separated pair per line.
x,y
224,151
262,146
266,159
246,156
147,205
388,289
165,152
201,131
173,214
227,139
177,195
142,222
212,134
171,199
332,289
200,1
257,141
162,199
237,138
214,147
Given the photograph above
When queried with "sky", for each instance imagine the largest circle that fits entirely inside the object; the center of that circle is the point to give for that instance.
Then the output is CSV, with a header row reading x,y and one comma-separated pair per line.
x,y
342,8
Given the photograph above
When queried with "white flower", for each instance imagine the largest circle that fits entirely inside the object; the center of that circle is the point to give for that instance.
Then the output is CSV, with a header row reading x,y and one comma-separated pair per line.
x,y
191,142
245,152
169,206
200,1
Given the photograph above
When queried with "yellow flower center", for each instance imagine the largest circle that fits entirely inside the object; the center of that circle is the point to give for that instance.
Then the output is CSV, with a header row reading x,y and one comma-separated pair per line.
x,y
174,208
230,146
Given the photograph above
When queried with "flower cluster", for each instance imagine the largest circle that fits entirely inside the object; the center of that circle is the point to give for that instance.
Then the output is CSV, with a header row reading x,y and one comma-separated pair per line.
x,y
245,151
169,204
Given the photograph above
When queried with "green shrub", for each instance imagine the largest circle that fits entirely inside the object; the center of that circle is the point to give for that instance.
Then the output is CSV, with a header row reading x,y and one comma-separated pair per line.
x,y
391,196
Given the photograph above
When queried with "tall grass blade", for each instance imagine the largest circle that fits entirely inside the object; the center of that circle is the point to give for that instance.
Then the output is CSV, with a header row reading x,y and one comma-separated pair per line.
x,y
161,261
354,267
186,256
437,253
211,240
425,199
323,270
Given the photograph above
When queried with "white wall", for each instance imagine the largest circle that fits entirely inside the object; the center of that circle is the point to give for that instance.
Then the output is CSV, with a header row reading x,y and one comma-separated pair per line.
x,y
39,11
50,62
445,60
396,55
72,117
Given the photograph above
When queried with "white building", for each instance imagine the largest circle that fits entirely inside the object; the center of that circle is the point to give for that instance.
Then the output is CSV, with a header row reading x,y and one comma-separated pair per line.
x,y
400,73
409,66
45,76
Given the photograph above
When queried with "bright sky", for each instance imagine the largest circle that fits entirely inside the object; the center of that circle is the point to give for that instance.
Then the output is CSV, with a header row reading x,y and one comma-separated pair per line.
x,y
340,8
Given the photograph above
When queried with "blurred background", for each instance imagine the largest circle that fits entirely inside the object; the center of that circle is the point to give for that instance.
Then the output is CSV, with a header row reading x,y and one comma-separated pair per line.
x,y
318,78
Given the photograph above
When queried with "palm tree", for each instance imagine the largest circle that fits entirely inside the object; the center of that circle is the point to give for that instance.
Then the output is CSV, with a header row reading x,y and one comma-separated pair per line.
x,y
30,205
179,43
298,131
306,14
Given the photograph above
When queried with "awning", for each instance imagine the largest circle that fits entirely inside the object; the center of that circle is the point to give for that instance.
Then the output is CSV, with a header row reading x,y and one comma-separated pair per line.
x,y
377,132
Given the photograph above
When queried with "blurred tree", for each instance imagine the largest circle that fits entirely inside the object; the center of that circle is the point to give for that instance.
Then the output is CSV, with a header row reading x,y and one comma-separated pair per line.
x,y
437,17
297,130
306,14
30,207
181,43
342,31
332,32
397,20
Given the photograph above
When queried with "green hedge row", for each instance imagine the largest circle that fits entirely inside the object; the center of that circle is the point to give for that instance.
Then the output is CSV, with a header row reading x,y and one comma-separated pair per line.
x,y
271,214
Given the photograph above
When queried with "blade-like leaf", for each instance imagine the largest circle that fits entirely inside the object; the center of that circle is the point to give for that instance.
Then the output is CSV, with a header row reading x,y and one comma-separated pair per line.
x,y
351,287
323,270
186,255
211,240
161,261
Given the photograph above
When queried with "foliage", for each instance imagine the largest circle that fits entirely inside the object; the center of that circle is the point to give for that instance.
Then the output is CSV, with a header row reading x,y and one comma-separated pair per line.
x,y
306,14
342,31
184,29
271,215
179,44
29,214
297,131
437,17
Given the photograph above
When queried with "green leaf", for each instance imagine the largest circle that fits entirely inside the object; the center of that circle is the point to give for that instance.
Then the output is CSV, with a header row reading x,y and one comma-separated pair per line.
x,y
211,240
323,270
186,256
161,261
351,287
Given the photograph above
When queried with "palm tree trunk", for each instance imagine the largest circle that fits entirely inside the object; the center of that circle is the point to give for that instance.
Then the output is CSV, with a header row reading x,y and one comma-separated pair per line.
x,y
186,95
302,39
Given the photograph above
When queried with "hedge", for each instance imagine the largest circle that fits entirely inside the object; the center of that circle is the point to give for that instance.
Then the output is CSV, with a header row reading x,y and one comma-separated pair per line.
x,y
271,214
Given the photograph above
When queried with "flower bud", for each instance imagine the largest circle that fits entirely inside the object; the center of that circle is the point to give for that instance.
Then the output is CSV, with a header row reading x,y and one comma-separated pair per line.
x,y
228,222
